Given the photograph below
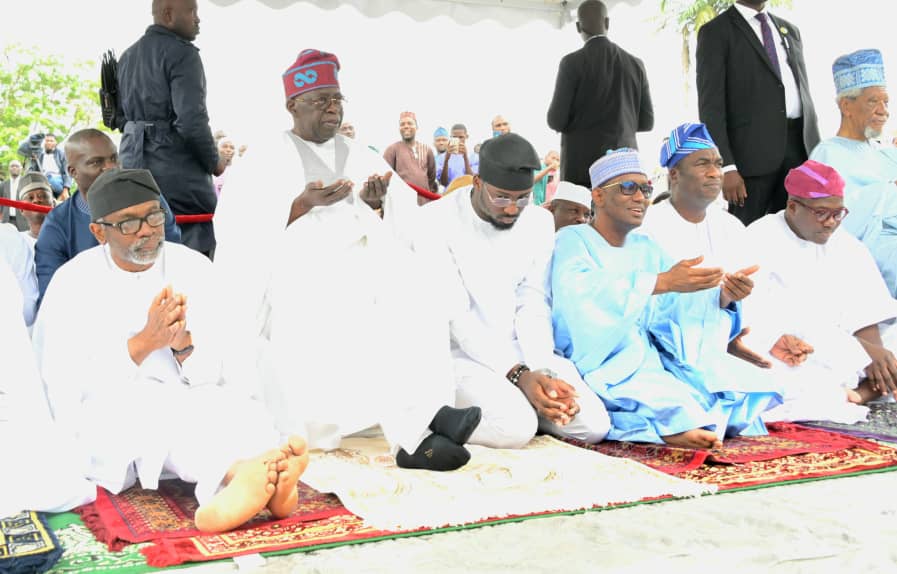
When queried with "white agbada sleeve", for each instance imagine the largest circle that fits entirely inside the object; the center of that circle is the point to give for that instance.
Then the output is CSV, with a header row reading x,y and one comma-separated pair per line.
x,y
31,479
532,322
15,250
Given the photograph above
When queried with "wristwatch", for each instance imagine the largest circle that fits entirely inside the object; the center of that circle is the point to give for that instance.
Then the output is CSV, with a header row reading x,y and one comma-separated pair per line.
x,y
516,373
181,352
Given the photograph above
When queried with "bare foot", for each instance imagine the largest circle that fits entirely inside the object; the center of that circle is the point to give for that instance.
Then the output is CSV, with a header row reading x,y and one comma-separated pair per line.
x,y
863,393
251,486
289,469
694,438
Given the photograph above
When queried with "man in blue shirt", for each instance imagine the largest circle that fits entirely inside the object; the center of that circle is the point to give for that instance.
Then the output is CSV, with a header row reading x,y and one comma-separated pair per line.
x,y
66,230
455,161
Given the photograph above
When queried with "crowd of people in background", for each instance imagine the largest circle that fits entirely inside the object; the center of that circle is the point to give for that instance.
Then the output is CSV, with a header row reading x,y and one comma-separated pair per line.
x,y
572,301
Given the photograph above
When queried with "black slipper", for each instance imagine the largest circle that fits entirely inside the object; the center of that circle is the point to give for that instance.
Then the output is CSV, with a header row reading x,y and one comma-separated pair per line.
x,y
435,452
456,424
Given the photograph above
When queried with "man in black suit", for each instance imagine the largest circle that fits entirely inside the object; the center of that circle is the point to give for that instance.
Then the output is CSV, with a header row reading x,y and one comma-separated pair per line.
x,y
601,97
9,190
754,98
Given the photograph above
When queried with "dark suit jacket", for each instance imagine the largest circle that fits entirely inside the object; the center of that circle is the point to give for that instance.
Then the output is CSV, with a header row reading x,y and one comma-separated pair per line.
x,y
601,100
5,194
740,97
162,91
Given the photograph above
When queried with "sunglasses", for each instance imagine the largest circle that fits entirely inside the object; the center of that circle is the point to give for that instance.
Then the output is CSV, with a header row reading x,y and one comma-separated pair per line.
x,y
630,187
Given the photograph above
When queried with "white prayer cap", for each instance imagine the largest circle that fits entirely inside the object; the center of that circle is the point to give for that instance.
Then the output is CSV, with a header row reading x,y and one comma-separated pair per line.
x,y
575,193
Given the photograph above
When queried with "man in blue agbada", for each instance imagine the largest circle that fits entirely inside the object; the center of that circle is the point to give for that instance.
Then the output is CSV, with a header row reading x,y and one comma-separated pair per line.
x,y
869,168
641,328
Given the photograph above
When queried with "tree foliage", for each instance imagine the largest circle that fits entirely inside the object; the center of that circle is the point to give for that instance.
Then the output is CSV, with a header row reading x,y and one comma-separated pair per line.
x,y
688,16
45,92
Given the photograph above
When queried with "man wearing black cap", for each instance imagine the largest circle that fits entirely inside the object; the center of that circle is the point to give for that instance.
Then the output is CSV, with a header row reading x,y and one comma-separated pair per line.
x,y
128,352
495,254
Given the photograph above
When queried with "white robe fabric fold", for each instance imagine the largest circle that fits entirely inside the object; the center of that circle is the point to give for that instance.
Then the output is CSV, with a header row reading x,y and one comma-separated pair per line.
x,y
133,421
496,287
336,306
870,174
42,469
822,294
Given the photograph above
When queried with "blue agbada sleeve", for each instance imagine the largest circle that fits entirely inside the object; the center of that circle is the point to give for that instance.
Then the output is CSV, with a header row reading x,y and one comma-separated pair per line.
x,y
599,296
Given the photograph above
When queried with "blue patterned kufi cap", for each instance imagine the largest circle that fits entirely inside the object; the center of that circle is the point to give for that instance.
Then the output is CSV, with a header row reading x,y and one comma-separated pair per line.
x,y
614,163
684,140
440,133
861,69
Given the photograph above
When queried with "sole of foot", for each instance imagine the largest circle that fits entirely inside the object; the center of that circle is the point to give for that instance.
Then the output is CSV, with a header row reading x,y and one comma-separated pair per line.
x,y
289,469
252,484
694,438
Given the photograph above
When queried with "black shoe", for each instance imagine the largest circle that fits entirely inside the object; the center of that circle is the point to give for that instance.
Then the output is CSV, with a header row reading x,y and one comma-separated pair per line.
x,y
435,453
456,424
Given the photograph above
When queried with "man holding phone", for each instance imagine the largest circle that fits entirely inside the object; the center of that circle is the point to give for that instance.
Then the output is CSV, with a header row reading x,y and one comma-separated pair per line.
x,y
456,161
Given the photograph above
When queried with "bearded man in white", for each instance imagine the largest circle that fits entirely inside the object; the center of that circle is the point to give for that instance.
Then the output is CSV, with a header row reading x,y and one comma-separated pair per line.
x,y
134,373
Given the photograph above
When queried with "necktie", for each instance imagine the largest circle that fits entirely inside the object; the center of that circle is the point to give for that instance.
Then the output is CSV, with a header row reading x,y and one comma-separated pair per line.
x,y
768,42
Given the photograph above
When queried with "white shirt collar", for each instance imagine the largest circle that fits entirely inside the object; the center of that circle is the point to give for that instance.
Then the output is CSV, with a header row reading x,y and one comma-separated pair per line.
x,y
749,13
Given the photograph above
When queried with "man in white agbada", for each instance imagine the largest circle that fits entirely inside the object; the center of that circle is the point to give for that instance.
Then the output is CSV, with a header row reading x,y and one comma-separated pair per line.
x,y
495,258
29,433
869,168
819,304
17,254
331,288
133,372
689,225
571,205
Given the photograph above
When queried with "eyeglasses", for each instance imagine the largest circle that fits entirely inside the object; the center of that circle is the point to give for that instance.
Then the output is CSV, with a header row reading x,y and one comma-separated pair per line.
x,y
506,201
629,188
132,225
823,214
323,102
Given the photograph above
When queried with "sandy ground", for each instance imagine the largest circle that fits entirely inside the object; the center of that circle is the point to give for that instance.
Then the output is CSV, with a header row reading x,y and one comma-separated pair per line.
x,y
839,525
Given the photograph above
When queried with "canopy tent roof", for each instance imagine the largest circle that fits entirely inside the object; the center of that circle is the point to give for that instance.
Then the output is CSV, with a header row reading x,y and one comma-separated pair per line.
x,y
511,13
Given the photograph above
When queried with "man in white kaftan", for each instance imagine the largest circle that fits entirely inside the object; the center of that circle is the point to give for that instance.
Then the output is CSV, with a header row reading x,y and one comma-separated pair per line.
x,y
29,434
133,376
819,284
496,258
869,168
16,252
346,336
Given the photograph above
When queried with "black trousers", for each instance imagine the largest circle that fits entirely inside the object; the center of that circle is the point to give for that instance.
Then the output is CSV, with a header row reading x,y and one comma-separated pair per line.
x,y
766,193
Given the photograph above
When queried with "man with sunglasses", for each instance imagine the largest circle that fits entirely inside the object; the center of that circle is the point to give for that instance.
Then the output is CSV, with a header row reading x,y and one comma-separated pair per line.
x,y
494,251
133,371
820,305
635,322
333,297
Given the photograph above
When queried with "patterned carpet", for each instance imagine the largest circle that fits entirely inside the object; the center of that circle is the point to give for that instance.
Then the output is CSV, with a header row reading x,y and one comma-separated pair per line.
x,y
880,424
790,454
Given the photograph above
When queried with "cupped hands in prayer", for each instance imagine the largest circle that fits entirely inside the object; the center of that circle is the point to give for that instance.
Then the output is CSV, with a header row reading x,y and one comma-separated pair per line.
x,y
317,194
687,277
791,350
736,286
374,190
552,398
166,325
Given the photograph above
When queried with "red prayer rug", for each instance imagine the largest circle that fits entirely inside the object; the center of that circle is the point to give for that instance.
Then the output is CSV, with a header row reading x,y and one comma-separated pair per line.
x,y
789,453
165,517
